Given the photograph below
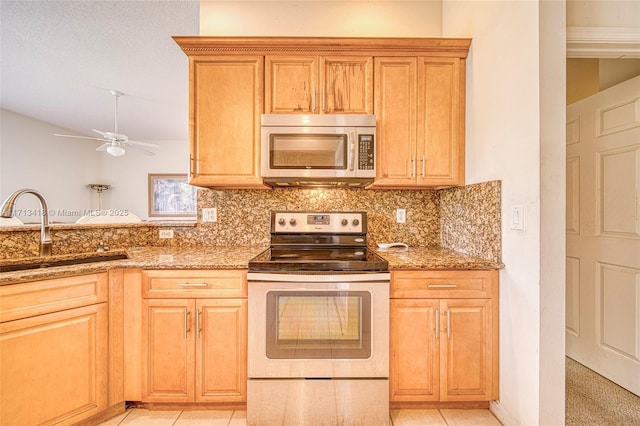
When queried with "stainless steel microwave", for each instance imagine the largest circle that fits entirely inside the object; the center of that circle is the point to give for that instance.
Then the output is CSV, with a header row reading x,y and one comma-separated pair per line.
x,y
318,149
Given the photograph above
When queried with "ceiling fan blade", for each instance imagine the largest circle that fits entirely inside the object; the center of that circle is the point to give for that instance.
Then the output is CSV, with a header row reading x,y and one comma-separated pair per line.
x,y
147,144
144,151
78,137
98,131
103,147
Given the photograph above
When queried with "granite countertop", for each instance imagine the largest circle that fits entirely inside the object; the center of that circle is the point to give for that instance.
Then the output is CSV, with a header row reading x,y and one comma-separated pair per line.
x,y
209,257
227,257
434,258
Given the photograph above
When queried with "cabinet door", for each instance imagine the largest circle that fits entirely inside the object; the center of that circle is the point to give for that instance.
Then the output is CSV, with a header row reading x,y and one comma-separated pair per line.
x,y
346,84
291,84
395,109
224,119
465,350
440,150
221,350
414,366
54,367
167,350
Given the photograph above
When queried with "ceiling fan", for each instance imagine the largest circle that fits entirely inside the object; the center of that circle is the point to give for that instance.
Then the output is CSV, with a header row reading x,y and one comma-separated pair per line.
x,y
115,142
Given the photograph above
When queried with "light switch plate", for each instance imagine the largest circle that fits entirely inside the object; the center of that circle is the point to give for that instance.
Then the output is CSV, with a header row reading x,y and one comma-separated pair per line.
x,y
401,215
210,214
517,217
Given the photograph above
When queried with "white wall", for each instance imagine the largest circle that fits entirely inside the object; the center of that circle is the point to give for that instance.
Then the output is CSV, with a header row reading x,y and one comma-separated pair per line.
x,y
603,13
59,168
512,135
128,175
321,18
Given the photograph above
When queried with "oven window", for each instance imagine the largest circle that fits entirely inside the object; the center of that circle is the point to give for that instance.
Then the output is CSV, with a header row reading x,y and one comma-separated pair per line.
x,y
308,151
318,324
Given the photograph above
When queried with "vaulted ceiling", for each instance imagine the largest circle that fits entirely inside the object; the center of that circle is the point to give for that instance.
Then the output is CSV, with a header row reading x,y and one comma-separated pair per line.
x,y
60,59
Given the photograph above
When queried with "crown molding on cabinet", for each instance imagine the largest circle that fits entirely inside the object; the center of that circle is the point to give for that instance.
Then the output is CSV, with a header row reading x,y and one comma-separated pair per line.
x,y
603,42
206,45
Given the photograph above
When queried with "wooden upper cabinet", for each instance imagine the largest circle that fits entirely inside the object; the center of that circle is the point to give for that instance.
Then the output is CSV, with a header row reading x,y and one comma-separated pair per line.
x,y
415,86
395,107
291,84
319,84
420,103
441,104
224,120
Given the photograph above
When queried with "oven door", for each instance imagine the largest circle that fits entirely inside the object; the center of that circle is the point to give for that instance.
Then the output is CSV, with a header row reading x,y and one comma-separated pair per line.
x,y
310,328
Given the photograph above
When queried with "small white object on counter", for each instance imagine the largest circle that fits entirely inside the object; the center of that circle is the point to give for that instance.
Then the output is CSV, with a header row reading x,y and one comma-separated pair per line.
x,y
383,246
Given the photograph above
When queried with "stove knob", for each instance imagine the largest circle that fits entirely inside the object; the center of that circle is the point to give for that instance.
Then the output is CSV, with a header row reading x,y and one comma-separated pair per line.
x,y
292,222
344,222
356,222
281,221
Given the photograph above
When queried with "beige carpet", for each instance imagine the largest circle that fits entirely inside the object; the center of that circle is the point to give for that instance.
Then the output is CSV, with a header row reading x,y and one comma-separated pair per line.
x,y
594,400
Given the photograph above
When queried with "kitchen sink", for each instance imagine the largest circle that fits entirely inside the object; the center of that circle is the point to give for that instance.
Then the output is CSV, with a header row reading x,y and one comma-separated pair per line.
x,y
49,263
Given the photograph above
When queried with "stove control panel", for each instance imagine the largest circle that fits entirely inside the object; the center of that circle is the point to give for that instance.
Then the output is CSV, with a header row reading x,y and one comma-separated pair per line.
x,y
319,222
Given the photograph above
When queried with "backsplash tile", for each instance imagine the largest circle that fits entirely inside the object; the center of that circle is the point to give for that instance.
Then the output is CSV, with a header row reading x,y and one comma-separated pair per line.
x,y
243,215
465,219
471,219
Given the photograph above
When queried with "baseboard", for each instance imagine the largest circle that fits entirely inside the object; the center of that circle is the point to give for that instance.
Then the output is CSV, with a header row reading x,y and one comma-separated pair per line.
x,y
502,414
437,405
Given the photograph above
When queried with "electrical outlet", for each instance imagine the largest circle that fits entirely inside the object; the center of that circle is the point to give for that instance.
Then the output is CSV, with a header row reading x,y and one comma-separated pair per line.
x,y
401,215
165,233
210,215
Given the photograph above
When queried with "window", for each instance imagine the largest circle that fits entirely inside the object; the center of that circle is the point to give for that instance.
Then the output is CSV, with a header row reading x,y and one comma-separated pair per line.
x,y
171,196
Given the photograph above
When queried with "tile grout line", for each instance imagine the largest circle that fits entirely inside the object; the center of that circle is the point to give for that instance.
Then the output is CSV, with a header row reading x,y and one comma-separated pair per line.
x,y
176,420
444,419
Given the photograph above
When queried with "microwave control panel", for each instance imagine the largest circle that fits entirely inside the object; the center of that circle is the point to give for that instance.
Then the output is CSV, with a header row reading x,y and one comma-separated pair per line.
x,y
366,150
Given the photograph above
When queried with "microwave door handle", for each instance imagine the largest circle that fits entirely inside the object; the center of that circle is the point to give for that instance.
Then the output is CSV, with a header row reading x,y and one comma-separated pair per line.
x,y
352,150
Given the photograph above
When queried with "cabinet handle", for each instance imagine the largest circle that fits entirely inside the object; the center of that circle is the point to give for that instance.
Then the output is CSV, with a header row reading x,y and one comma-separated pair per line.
x,y
442,285
313,99
437,323
192,284
413,166
424,160
324,96
186,322
198,323
448,323
191,166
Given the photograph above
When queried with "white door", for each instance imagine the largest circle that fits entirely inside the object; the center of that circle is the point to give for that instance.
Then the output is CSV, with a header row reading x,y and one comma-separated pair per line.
x,y
603,233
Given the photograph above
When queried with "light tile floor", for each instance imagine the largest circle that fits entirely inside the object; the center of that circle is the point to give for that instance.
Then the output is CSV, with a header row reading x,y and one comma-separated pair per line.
x,y
449,417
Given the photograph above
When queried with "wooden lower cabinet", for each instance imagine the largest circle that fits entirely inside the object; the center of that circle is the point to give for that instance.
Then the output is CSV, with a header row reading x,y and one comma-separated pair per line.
x,y
194,350
54,367
443,349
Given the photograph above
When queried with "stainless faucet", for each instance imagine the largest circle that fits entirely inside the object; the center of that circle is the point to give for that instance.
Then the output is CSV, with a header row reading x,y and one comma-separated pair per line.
x,y
8,208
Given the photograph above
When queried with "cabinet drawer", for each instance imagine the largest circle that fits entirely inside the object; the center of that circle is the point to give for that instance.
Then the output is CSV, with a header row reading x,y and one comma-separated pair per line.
x,y
194,283
443,284
40,297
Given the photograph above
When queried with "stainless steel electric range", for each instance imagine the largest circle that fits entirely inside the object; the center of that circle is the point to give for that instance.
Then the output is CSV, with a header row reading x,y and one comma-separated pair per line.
x,y
318,350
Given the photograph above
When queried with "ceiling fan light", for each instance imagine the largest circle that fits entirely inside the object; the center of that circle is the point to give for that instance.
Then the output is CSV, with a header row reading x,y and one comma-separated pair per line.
x,y
116,150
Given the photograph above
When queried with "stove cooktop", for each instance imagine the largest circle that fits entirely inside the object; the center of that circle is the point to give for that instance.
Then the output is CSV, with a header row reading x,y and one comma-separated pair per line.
x,y
345,259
